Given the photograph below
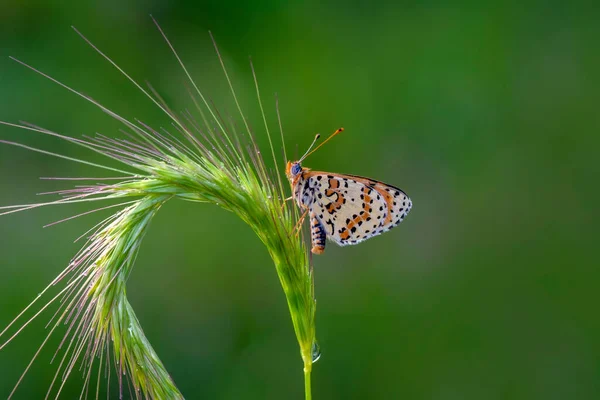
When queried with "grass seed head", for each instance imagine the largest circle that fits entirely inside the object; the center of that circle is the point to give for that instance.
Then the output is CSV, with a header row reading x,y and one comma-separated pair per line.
x,y
201,162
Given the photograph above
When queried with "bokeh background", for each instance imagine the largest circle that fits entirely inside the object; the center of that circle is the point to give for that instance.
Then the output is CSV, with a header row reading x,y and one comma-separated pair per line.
x,y
487,115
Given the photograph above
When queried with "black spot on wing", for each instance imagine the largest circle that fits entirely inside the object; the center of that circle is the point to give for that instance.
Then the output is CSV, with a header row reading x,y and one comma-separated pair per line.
x,y
330,223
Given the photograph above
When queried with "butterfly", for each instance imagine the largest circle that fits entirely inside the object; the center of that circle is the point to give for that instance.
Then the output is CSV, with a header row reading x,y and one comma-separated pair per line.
x,y
346,209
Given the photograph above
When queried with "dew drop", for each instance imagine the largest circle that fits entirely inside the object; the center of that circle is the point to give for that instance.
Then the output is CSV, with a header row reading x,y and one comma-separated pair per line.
x,y
316,352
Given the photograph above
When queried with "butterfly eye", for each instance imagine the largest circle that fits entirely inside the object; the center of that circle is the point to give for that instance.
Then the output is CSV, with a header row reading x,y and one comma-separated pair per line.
x,y
296,168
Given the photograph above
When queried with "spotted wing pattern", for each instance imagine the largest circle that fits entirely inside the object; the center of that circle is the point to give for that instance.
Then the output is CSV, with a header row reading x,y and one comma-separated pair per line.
x,y
352,208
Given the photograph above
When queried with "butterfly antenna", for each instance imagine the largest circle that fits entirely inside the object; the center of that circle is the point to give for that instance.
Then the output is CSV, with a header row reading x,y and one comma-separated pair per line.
x,y
317,136
309,152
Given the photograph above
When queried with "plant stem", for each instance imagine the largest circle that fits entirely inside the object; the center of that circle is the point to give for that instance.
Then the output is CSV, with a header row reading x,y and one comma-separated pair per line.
x,y
307,370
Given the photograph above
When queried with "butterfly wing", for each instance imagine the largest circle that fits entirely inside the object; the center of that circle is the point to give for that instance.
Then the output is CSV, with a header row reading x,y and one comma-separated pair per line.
x,y
353,208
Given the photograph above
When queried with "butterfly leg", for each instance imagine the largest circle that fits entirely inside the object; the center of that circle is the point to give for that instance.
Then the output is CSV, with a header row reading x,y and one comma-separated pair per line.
x,y
298,225
317,234
286,200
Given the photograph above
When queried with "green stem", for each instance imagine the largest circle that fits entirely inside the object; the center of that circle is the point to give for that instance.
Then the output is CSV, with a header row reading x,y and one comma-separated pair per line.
x,y
307,370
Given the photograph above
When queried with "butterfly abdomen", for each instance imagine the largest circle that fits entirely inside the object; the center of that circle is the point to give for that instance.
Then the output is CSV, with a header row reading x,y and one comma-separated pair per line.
x,y
318,234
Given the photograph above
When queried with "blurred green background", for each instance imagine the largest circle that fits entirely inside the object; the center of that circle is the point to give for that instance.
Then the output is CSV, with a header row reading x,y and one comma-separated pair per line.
x,y
486,114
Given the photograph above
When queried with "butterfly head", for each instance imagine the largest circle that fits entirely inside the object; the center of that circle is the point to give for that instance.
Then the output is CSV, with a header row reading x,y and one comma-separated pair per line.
x,y
293,169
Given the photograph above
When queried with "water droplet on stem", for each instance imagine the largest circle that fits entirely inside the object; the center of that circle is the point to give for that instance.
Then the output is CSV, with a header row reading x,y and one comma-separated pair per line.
x,y
316,352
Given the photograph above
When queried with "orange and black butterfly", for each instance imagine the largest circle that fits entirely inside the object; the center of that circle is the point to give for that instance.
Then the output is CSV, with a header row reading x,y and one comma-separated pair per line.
x,y
346,209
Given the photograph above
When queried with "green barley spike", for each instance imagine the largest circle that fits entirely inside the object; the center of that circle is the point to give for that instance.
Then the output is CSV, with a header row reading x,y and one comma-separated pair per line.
x,y
203,162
